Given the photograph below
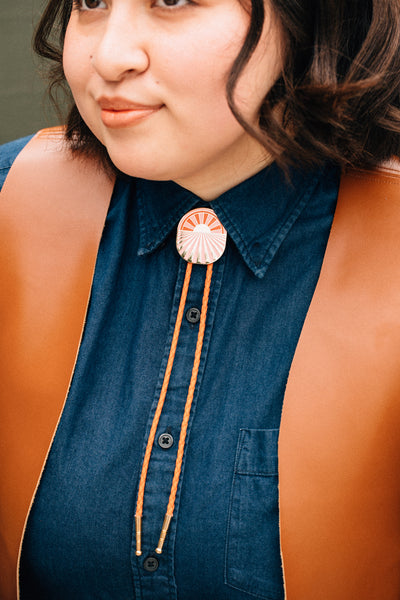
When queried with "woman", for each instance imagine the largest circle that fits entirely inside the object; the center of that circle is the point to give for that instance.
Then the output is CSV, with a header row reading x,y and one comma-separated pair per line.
x,y
186,343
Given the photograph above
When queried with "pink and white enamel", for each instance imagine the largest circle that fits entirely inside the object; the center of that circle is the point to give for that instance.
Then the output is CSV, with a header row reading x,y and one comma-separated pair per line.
x,y
200,237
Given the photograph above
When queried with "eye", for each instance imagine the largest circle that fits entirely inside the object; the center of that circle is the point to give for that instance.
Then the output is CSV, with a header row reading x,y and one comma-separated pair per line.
x,y
171,3
90,4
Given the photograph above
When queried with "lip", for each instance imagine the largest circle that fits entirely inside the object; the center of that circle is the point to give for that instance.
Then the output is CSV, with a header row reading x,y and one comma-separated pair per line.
x,y
120,112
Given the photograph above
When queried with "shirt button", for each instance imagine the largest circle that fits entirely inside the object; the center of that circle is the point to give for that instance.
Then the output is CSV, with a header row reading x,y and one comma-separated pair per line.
x,y
165,441
193,315
150,564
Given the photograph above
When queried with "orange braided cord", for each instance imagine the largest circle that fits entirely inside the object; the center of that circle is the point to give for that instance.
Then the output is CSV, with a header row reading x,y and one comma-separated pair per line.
x,y
163,393
192,386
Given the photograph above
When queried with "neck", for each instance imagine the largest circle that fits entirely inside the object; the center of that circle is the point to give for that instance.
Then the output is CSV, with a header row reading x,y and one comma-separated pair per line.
x,y
224,174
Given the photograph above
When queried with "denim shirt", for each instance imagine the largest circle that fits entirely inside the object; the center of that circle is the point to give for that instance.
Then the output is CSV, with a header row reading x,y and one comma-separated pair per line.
x,y
223,542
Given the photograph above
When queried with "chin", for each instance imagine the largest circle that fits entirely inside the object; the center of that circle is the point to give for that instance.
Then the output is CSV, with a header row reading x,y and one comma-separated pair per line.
x,y
137,164
134,168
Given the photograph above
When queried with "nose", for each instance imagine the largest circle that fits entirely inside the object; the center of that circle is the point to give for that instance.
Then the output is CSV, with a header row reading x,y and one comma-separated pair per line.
x,y
121,47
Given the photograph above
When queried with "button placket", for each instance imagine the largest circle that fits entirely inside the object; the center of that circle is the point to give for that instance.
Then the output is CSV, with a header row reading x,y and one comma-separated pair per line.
x,y
162,463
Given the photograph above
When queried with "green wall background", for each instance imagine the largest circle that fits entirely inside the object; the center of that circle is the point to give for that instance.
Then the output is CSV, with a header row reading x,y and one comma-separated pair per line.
x,y
23,107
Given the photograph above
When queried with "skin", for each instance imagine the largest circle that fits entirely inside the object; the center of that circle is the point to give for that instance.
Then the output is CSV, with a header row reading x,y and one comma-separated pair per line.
x,y
172,62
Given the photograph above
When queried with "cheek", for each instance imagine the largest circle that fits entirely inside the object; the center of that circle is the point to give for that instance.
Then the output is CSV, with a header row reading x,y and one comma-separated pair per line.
x,y
201,57
78,70
76,59
261,72
195,78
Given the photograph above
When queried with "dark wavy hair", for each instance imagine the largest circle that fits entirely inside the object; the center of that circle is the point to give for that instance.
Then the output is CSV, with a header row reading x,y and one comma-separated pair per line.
x,y
337,99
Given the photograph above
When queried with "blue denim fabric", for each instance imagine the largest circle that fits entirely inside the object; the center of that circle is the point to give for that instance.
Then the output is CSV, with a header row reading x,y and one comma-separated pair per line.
x,y
8,152
223,543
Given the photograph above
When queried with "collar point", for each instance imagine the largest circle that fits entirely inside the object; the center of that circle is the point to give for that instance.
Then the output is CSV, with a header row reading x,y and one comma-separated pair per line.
x,y
143,251
259,272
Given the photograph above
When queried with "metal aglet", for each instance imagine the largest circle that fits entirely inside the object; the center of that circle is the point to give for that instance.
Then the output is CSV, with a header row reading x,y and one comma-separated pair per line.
x,y
163,534
138,521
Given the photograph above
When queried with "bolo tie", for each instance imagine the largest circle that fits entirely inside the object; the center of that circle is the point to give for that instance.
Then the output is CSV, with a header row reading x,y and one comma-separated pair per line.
x,y
200,239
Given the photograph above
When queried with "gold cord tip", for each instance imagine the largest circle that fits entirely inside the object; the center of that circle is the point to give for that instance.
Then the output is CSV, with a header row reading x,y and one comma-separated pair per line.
x,y
163,534
138,522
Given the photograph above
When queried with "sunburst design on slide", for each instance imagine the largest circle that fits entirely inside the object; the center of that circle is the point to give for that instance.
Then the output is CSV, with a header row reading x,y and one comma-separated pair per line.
x,y
200,237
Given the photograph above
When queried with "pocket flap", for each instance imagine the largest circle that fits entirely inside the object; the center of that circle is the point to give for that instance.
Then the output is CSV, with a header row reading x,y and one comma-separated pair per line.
x,y
257,452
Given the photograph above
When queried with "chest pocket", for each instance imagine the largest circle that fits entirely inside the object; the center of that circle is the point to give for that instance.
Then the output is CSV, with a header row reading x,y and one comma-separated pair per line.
x,y
252,551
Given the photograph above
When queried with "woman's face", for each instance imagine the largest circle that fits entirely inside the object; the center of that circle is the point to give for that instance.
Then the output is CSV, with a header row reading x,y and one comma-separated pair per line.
x,y
149,79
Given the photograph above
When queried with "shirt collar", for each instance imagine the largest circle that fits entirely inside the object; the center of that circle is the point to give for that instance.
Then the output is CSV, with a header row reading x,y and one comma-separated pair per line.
x,y
257,213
